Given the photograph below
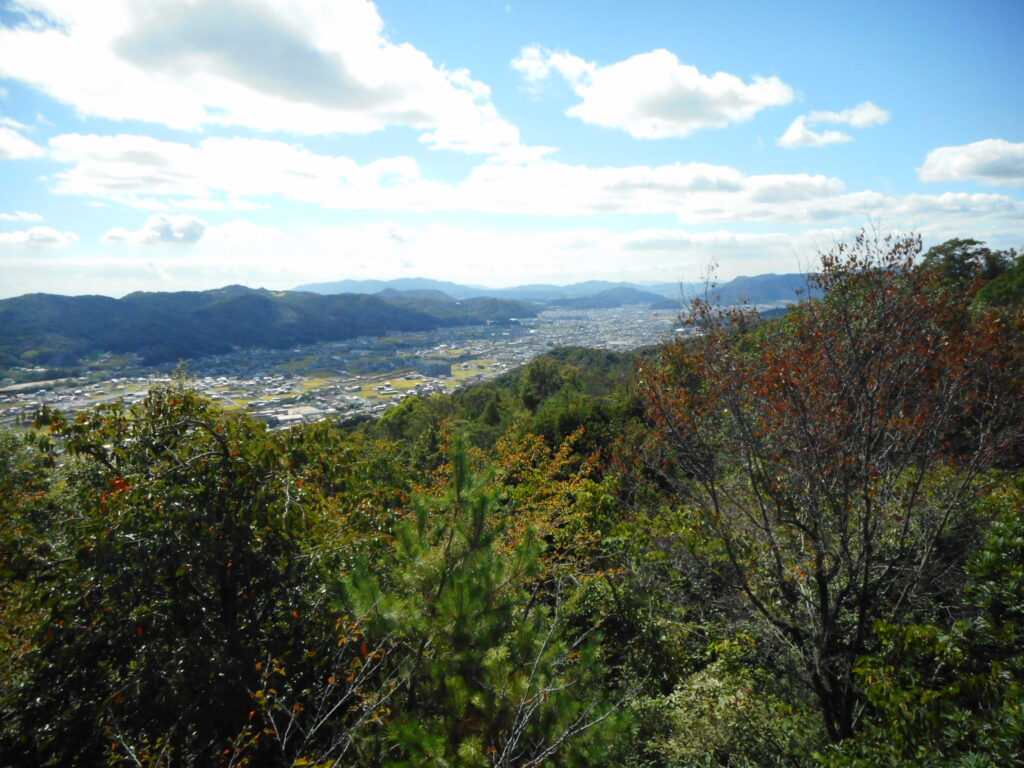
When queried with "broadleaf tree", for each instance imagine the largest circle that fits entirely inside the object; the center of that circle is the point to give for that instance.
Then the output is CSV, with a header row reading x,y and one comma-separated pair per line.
x,y
830,458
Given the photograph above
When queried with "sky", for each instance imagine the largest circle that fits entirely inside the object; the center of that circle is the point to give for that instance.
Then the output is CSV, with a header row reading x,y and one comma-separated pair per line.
x,y
165,145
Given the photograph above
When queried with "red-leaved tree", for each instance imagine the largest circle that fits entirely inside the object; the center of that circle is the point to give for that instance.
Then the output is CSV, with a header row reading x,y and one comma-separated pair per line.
x,y
829,459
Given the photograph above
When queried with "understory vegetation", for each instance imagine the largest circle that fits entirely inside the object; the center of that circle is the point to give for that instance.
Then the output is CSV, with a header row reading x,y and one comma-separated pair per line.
x,y
786,543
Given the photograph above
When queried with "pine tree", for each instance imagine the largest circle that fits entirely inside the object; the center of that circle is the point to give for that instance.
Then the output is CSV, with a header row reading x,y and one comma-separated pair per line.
x,y
490,675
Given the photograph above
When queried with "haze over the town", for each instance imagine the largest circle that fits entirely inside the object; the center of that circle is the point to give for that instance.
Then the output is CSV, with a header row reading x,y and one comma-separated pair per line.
x,y
190,144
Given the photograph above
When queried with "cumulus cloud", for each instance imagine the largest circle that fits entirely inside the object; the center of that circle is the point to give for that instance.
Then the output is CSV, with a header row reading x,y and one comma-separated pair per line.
x,y
240,174
20,216
992,161
799,133
160,229
791,188
218,174
306,66
693,193
652,95
38,237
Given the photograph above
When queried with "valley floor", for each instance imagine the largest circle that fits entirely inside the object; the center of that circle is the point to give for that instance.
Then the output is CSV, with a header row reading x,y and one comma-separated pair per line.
x,y
354,377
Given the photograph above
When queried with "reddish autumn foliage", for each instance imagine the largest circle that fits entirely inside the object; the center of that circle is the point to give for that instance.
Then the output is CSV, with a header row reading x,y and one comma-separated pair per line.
x,y
816,452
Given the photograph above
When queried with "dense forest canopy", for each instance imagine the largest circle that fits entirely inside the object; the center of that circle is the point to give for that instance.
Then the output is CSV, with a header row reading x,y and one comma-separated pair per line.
x,y
785,543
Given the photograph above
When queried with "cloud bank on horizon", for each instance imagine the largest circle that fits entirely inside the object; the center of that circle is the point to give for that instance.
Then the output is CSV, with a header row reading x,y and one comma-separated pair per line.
x,y
184,144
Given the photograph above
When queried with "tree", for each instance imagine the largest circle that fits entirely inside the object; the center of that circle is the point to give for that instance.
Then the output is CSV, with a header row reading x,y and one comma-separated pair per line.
x,y
953,695
174,564
488,671
1007,290
541,379
962,261
827,460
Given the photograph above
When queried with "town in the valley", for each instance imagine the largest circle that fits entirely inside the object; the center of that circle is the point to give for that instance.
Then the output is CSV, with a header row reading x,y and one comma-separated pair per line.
x,y
350,378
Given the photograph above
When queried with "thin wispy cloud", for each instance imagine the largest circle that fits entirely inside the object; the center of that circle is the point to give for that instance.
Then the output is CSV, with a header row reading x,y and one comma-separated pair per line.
x,y
801,134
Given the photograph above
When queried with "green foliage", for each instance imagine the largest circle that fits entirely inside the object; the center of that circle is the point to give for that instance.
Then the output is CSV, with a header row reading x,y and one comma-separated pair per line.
x,y
953,695
726,714
830,456
553,396
962,261
175,563
492,674
1006,290
185,586
541,379
491,416
26,466
773,538
161,327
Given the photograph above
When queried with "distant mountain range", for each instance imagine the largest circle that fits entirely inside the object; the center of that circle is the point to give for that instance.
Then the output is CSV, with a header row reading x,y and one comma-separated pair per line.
x,y
592,294
613,297
50,330
538,292
764,289
44,329
402,285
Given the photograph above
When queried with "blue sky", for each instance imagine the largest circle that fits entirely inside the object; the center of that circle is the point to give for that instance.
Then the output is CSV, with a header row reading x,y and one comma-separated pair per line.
x,y
188,144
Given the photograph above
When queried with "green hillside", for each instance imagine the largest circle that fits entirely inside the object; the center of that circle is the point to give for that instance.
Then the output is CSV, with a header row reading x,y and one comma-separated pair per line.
x,y
43,329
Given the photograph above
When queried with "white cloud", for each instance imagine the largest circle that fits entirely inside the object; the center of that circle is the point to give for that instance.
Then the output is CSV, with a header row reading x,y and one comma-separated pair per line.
x,y
306,66
992,161
239,174
20,216
14,146
791,188
221,174
653,95
17,125
536,64
38,236
799,133
160,229
864,115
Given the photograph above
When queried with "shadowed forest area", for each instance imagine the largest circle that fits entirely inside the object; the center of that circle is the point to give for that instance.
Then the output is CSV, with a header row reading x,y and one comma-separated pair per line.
x,y
795,542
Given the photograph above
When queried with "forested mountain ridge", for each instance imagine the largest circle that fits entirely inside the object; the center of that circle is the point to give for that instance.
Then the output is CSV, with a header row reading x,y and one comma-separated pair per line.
x,y
51,330
788,543
481,308
59,330
611,297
